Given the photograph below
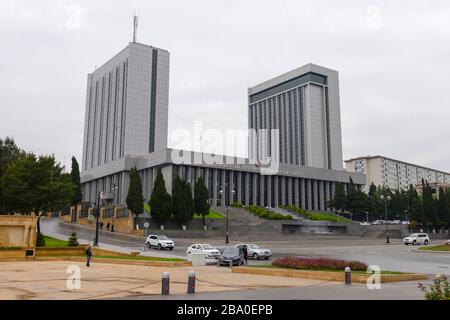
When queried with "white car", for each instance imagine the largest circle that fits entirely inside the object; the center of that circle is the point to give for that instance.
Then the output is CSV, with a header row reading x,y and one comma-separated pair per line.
x,y
364,223
416,239
159,241
254,251
208,250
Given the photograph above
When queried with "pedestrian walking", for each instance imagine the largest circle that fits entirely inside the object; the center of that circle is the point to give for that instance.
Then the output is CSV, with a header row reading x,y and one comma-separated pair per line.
x,y
107,226
245,252
101,225
88,255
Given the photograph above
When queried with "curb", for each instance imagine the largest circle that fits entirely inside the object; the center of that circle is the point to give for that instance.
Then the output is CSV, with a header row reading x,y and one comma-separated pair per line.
x,y
147,263
327,275
429,251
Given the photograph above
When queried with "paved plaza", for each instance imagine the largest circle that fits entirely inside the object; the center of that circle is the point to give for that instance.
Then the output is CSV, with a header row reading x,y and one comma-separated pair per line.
x,y
47,280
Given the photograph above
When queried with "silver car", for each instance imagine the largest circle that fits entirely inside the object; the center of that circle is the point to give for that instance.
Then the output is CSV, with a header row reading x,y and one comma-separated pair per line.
x,y
255,252
416,239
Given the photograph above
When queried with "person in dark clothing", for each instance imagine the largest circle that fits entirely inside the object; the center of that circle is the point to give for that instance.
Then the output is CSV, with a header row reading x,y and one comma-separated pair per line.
x,y
88,256
107,226
101,225
112,228
245,252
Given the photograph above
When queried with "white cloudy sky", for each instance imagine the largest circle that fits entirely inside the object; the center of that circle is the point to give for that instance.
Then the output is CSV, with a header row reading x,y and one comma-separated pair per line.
x,y
393,58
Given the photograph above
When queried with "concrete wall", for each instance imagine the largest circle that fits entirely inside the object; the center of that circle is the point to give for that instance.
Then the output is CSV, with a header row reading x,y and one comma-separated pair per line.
x,y
18,231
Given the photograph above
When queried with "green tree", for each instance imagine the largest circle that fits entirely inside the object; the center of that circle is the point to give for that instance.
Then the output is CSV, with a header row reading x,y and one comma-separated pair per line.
x,y
160,201
36,185
73,240
75,176
201,198
135,198
9,152
339,200
443,207
429,205
356,199
182,202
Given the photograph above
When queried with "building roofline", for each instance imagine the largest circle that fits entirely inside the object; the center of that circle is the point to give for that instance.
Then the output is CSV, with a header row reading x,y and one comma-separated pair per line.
x,y
392,159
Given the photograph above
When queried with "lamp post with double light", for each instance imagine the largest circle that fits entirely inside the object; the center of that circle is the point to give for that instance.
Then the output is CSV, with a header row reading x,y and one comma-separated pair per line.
x,y
222,194
97,225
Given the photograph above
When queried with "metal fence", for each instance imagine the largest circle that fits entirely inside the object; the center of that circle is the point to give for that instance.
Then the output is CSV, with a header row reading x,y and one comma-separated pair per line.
x,y
108,212
122,212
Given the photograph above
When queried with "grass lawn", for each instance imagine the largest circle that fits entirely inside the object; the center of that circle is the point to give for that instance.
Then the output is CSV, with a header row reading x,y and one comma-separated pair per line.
x,y
328,270
140,258
212,215
320,216
443,247
55,243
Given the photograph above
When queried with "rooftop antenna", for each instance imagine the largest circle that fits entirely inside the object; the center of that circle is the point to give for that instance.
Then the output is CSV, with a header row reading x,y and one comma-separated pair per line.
x,y
135,26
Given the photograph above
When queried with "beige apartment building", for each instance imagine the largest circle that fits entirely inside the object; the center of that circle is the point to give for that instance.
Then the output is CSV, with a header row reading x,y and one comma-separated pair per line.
x,y
394,174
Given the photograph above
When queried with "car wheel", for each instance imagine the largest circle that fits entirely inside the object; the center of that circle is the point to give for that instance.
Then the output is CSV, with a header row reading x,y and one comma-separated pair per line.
x,y
148,245
171,248
425,242
414,242
266,258
159,246
255,256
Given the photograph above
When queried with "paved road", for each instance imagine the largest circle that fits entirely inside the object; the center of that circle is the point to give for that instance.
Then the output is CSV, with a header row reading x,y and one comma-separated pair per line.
x,y
394,257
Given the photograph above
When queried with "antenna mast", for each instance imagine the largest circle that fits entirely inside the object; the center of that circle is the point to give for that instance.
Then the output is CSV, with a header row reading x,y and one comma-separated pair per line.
x,y
135,26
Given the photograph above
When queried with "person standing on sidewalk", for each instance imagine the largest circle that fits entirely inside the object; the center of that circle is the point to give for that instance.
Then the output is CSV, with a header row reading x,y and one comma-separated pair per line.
x,y
88,255
245,252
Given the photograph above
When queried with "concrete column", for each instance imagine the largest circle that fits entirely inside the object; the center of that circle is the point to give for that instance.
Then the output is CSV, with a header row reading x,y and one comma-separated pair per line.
x,y
231,187
255,189
214,186
327,194
269,190
247,188
322,196
276,192
189,173
261,190
309,194
290,190
296,192
302,193
239,187
316,198
222,187
283,191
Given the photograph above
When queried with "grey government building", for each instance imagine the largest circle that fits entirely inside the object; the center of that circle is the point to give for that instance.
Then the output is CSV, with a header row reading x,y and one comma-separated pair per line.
x,y
126,125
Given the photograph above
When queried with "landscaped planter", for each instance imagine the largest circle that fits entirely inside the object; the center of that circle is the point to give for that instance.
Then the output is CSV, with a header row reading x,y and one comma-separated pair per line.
x,y
327,275
16,254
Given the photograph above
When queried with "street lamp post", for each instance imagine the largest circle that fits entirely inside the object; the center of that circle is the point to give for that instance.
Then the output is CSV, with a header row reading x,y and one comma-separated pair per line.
x,y
367,216
97,225
386,199
227,236
113,191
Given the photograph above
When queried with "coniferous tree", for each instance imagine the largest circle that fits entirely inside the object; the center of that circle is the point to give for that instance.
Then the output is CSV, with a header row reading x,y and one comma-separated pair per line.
x,y
339,200
75,175
135,198
429,205
182,202
201,198
9,152
73,240
443,208
160,201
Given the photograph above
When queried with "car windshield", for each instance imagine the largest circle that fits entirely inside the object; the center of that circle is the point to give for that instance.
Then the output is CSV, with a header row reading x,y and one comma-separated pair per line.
x,y
231,250
253,246
207,247
163,238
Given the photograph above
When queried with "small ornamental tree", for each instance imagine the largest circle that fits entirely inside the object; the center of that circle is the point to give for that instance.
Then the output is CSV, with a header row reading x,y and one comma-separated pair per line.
x,y
135,199
73,240
340,199
160,201
201,199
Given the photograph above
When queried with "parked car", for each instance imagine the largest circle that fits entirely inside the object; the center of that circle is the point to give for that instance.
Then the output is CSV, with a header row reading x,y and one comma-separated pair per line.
x,y
416,239
364,223
254,251
405,222
378,222
231,255
396,221
207,249
447,242
159,241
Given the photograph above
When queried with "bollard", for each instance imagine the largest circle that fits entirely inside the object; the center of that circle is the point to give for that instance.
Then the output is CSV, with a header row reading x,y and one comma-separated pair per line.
x,y
191,282
165,283
348,276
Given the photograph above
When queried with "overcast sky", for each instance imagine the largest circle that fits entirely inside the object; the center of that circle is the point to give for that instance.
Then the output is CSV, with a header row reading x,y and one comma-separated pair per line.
x,y
393,59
